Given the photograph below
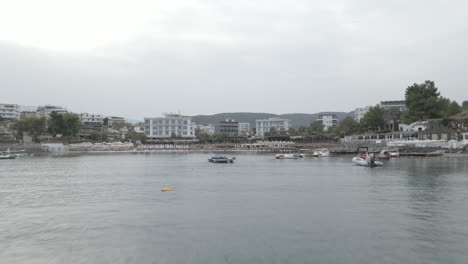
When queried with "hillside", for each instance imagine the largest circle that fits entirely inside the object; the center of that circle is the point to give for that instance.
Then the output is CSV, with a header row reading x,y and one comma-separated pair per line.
x,y
297,119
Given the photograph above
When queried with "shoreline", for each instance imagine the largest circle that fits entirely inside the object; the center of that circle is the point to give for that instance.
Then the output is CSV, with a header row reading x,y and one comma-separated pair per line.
x,y
420,155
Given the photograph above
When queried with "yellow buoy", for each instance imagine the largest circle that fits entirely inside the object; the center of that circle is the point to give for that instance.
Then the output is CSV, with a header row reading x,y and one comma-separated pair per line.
x,y
166,189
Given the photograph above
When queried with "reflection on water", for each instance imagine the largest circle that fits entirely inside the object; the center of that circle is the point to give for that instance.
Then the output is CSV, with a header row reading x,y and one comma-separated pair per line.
x,y
109,209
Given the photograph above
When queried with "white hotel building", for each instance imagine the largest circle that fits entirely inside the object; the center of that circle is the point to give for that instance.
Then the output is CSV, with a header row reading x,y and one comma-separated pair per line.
x,y
169,125
266,125
244,128
92,121
328,121
10,111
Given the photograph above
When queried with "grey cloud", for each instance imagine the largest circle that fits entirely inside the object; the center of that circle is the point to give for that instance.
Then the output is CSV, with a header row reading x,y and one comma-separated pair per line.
x,y
271,57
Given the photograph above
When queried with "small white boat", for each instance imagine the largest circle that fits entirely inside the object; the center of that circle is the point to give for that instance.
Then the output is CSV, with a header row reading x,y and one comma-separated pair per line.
x,y
321,153
287,156
363,162
394,153
23,155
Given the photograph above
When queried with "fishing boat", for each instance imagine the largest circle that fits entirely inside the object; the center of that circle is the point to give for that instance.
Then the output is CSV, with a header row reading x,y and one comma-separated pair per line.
x,y
221,159
287,156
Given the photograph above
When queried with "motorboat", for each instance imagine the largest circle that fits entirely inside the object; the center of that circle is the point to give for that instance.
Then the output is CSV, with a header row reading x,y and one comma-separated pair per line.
x,y
363,162
221,159
302,155
7,156
287,156
362,158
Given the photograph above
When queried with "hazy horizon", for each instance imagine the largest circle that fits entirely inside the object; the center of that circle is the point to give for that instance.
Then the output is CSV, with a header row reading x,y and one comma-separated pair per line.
x,y
141,58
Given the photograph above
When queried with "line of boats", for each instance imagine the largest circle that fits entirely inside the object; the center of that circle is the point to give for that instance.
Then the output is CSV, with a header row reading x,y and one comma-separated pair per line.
x,y
363,157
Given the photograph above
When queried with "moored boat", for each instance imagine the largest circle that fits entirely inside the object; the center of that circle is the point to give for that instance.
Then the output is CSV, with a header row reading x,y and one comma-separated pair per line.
x,y
287,156
7,156
321,153
394,153
383,154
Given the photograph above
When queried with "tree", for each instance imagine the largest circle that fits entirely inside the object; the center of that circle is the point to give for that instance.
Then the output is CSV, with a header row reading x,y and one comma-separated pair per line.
x,y
33,126
135,136
465,105
316,127
423,102
348,125
66,124
392,116
453,109
374,118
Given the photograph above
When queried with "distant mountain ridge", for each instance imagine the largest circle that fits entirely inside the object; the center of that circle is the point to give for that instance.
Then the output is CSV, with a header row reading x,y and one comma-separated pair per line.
x,y
297,119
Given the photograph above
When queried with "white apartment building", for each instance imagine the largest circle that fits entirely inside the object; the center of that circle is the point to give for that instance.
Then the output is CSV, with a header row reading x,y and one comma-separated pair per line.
x,y
46,110
169,125
266,125
91,121
360,112
328,121
244,128
10,111
206,128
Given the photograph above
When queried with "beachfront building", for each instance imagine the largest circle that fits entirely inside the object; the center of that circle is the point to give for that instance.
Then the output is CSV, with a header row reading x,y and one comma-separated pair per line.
x,y
10,112
91,121
417,126
139,128
400,105
244,128
229,127
170,125
328,121
114,120
28,114
206,128
360,112
46,110
271,124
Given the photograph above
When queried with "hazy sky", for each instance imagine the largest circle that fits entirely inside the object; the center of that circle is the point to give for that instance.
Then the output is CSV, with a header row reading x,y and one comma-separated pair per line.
x,y
143,57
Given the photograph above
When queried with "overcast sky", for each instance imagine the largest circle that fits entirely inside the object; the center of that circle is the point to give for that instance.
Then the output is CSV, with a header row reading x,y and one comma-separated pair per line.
x,y
143,57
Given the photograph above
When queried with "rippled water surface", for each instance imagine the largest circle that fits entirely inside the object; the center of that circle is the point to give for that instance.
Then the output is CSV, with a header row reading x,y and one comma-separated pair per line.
x,y
109,209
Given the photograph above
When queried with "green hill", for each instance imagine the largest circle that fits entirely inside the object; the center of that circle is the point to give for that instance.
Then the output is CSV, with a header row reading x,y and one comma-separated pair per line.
x,y
297,119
